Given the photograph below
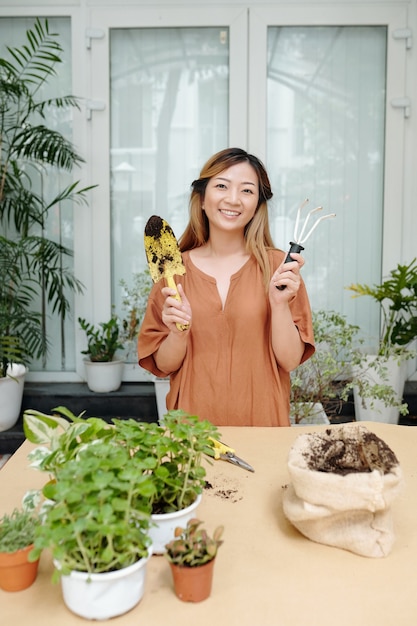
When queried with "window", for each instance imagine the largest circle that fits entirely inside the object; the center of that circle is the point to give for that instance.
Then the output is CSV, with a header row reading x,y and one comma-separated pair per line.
x,y
307,89
326,90
59,226
169,93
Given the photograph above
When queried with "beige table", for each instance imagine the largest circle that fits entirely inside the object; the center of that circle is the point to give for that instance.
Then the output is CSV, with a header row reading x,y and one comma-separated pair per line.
x,y
266,573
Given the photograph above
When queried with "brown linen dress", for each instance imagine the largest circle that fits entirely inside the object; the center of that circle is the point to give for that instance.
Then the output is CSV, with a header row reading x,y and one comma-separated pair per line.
x,y
229,374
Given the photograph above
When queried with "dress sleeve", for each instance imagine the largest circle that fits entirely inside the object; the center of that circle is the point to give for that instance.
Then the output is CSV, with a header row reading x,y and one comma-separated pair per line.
x,y
300,310
301,314
152,332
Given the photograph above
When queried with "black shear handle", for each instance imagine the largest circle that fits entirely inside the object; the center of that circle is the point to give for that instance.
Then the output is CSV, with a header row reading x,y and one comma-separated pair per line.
x,y
294,247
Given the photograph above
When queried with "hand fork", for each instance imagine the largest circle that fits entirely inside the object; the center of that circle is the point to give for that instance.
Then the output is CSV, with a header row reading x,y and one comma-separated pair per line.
x,y
300,238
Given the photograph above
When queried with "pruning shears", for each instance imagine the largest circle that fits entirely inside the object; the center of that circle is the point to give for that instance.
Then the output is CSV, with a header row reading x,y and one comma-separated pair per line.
x,y
225,453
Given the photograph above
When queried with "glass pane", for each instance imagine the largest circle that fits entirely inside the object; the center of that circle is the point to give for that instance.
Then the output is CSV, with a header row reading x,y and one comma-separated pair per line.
x,y
325,121
48,182
169,113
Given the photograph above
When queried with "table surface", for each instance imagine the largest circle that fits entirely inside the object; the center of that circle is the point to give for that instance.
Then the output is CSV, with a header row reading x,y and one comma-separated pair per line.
x,y
266,573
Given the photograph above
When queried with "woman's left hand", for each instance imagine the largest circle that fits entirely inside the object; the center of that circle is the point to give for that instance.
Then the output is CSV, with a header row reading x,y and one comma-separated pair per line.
x,y
286,275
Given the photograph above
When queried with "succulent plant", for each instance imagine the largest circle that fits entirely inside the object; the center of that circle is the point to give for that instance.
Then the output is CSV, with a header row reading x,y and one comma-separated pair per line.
x,y
192,545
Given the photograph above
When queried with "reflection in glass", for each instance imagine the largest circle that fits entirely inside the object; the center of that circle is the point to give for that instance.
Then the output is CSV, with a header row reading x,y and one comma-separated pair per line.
x,y
169,113
325,142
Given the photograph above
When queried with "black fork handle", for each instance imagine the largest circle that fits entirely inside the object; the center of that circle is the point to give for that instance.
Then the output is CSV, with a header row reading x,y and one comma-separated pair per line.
x,y
294,247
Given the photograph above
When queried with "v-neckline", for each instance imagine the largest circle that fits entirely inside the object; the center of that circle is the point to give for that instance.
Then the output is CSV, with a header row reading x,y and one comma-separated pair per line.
x,y
213,279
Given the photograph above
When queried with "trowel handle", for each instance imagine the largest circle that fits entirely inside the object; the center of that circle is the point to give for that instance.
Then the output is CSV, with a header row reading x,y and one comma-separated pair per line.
x,y
171,283
294,247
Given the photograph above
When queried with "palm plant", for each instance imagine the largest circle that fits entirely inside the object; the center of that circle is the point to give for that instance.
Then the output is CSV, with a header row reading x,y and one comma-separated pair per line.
x,y
32,267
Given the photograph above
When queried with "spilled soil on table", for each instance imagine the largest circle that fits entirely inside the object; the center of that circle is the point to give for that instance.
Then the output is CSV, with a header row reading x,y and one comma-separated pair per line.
x,y
225,488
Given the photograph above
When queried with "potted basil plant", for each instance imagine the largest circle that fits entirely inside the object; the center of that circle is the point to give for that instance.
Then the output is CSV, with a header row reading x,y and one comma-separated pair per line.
x,y
172,457
174,452
95,521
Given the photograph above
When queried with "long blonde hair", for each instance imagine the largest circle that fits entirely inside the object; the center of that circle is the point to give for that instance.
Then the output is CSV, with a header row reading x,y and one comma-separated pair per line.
x,y
257,233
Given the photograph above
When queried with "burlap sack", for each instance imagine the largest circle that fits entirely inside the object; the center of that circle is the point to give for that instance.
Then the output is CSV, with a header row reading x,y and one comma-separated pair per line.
x,y
344,480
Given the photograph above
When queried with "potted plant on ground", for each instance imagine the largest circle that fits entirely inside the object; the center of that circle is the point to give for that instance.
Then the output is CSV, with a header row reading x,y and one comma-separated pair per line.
x,y
17,534
317,384
104,370
134,302
95,521
34,269
191,555
397,298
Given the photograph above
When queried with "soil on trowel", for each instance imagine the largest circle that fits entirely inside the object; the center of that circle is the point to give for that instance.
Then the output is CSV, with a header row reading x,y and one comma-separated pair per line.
x,y
344,452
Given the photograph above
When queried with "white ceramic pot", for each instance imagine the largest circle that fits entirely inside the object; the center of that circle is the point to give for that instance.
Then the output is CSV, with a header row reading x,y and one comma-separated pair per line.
x,y
11,393
380,412
104,377
314,414
102,596
166,523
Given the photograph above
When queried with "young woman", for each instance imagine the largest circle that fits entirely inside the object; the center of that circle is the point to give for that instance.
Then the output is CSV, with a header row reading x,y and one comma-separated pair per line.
x,y
243,336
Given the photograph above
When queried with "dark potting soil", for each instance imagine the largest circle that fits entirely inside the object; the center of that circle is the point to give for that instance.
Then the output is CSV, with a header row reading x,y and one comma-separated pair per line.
x,y
362,451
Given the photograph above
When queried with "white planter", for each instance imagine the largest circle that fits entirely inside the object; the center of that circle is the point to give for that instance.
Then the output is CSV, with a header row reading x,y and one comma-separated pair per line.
x,y
161,391
166,524
379,412
315,414
11,393
102,596
104,377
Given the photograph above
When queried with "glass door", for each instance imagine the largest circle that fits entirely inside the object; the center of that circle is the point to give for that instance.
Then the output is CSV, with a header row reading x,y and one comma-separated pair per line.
x,y
172,91
327,137
169,93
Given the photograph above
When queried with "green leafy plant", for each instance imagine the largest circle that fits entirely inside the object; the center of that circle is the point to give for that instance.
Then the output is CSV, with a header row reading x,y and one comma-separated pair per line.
x,y
339,366
171,455
371,381
397,298
192,545
97,515
17,530
103,341
61,436
174,452
322,378
33,268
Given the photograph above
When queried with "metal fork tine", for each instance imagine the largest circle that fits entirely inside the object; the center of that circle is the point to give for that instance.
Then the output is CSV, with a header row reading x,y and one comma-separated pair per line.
x,y
300,239
297,219
323,217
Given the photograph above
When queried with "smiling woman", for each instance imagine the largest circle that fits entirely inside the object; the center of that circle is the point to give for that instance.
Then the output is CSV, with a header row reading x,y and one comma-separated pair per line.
x,y
231,364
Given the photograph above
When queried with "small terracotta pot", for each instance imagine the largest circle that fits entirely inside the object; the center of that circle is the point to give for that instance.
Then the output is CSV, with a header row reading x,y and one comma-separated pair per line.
x,y
193,584
16,572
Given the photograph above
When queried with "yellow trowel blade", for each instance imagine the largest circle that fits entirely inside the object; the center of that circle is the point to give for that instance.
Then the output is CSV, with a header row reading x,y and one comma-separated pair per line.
x,y
163,253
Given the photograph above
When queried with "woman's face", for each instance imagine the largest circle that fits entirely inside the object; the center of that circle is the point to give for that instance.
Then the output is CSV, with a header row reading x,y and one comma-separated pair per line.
x,y
231,197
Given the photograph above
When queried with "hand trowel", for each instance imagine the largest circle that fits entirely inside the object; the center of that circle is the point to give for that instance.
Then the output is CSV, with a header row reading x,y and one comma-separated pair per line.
x,y
163,254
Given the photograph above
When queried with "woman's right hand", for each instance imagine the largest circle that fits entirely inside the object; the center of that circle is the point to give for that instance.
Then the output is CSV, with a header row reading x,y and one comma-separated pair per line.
x,y
176,311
